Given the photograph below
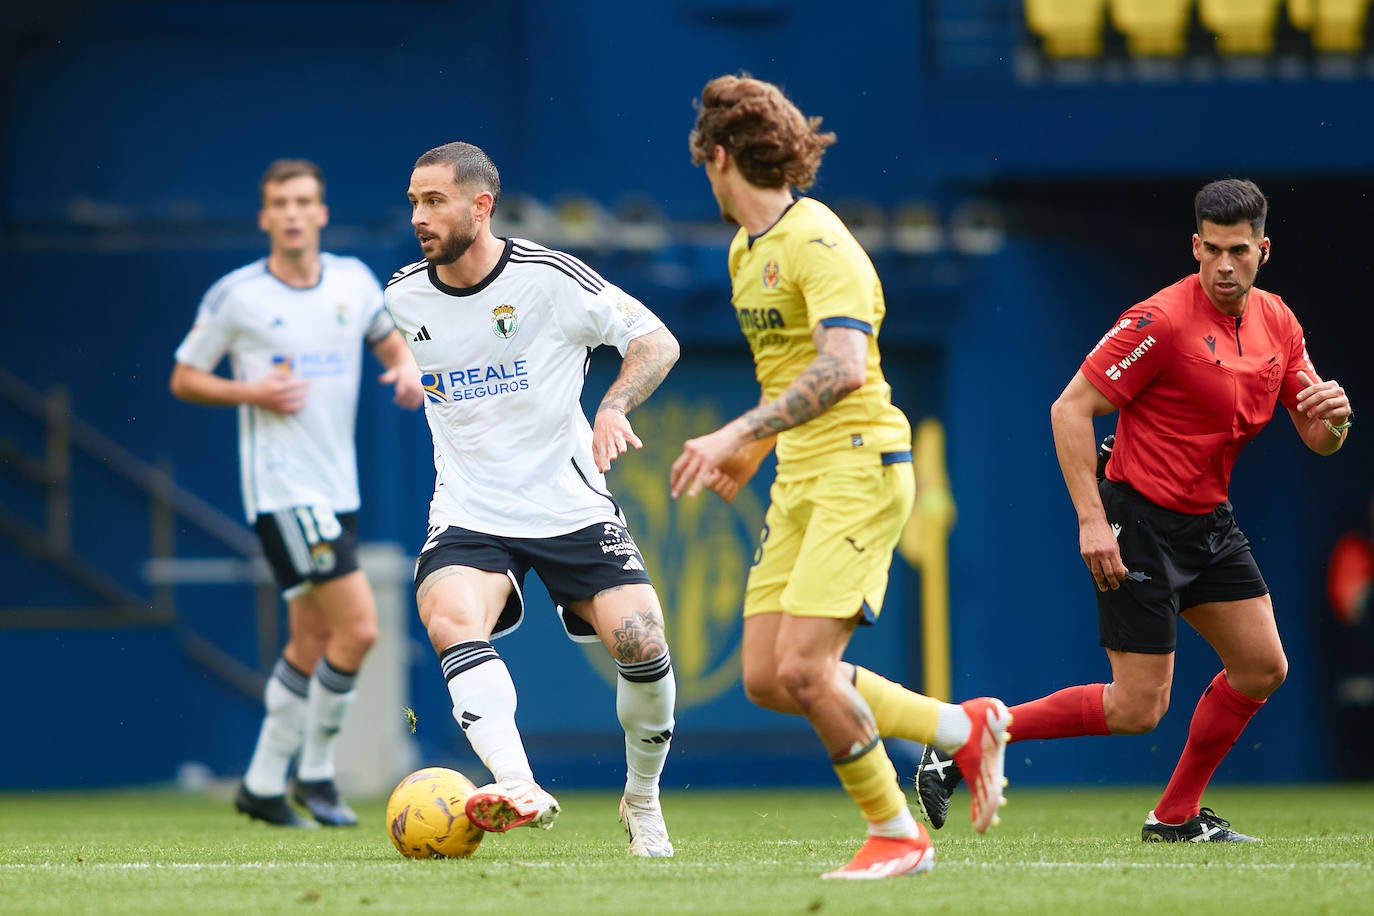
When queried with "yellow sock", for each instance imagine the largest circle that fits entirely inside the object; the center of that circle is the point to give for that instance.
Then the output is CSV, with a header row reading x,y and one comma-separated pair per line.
x,y
898,712
871,780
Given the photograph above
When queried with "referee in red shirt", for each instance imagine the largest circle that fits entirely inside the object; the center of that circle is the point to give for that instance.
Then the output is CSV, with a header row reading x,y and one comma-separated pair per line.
x,y
1195,371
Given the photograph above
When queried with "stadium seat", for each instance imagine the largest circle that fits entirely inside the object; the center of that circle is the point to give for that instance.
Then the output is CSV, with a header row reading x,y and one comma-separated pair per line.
x,y
978,227
1068,28
916,228
582,221
1335,26
1153,28
641,223
1241,26
866,221
523,216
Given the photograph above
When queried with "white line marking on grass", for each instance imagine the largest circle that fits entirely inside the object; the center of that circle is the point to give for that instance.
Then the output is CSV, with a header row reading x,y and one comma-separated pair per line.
x,y
1120,865
679,864
170,866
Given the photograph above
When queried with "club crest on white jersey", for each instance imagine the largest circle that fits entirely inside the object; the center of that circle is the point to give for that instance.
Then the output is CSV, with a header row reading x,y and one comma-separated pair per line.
x,y
505,321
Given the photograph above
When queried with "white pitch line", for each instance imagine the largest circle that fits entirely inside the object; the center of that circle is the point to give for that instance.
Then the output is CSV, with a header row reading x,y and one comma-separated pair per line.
x,y
696,866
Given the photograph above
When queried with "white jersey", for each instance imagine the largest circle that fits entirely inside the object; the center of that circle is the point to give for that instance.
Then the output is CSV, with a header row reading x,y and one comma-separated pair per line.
x,y
264,325
502,364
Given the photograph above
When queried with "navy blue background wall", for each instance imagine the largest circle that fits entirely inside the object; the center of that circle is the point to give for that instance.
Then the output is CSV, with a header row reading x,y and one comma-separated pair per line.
x,y
133,136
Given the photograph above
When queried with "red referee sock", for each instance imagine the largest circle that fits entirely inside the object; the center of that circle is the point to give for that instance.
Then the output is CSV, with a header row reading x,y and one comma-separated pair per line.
x,y
1219,719
1068,713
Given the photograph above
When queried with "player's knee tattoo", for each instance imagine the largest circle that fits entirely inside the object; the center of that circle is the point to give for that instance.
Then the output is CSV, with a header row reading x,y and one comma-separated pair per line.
x,y
863,716
640,637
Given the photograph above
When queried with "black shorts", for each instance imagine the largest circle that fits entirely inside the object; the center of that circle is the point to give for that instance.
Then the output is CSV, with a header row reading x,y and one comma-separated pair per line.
x,y
573,567
1185,560
308,544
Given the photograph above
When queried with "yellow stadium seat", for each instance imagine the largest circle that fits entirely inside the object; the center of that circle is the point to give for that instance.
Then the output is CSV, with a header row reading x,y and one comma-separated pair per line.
x,y
1241,26
1068,28
1153,28
1336,26
916,228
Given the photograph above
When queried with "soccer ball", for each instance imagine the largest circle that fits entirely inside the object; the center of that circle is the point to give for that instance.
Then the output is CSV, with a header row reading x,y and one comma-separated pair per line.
x,y
425,815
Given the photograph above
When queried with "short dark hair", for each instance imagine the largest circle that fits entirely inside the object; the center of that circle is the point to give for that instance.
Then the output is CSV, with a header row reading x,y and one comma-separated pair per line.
x,y
1231,201
470,164
772,142
286,169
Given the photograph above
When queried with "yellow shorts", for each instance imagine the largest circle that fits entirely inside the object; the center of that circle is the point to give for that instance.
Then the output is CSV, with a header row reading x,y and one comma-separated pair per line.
x,y
827,542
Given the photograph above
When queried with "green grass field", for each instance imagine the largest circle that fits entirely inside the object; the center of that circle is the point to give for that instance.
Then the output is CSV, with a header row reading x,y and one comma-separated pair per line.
x,y
1057,851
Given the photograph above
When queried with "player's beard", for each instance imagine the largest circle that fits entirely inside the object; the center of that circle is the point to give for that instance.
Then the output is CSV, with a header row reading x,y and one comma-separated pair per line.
x,y
455,245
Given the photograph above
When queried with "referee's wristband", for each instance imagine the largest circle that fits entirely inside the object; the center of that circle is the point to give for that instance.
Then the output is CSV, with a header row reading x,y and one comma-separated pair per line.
x,y
1336,430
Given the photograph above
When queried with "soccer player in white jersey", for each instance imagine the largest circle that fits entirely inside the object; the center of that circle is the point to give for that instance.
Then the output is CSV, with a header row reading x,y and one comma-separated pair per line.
x,y
502,330
292,325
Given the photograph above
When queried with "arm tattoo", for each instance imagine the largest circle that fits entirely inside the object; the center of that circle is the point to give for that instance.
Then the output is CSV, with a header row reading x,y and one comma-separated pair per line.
x,y
646,364
811,394
640,637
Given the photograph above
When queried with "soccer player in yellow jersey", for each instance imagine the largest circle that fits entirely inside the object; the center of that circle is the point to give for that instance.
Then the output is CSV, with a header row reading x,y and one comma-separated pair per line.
x,y
810,304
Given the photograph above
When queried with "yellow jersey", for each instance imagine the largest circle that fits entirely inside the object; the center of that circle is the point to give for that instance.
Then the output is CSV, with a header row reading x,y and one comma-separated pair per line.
x,y
807,269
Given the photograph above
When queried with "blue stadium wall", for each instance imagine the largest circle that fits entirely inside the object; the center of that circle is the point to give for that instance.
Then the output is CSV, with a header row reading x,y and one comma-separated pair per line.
x,y
134,134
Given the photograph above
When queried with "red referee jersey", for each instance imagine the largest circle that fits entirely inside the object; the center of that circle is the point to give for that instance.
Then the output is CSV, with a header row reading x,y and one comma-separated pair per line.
x,y
1193,386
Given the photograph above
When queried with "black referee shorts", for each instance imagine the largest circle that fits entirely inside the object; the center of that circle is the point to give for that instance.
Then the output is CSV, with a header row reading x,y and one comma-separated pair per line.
x,y
1177,562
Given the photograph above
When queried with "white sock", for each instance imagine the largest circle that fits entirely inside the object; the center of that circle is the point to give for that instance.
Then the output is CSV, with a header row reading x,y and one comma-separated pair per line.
x,y
953,728
903,825
330,696
282,729
484,707
645,693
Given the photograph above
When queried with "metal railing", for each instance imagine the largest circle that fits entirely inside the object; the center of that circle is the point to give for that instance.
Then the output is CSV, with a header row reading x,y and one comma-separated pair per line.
x,y
117,605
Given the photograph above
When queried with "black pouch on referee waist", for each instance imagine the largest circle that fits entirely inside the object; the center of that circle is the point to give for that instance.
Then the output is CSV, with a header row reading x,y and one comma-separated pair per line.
x,y
1104,451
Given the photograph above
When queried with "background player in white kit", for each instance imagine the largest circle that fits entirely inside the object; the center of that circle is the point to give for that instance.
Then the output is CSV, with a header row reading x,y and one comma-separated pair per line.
x,y
502,330
292,324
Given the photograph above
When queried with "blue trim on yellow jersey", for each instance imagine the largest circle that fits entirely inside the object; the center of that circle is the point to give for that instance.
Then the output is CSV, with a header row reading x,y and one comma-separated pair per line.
x,y
842,322
755,238
896,457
